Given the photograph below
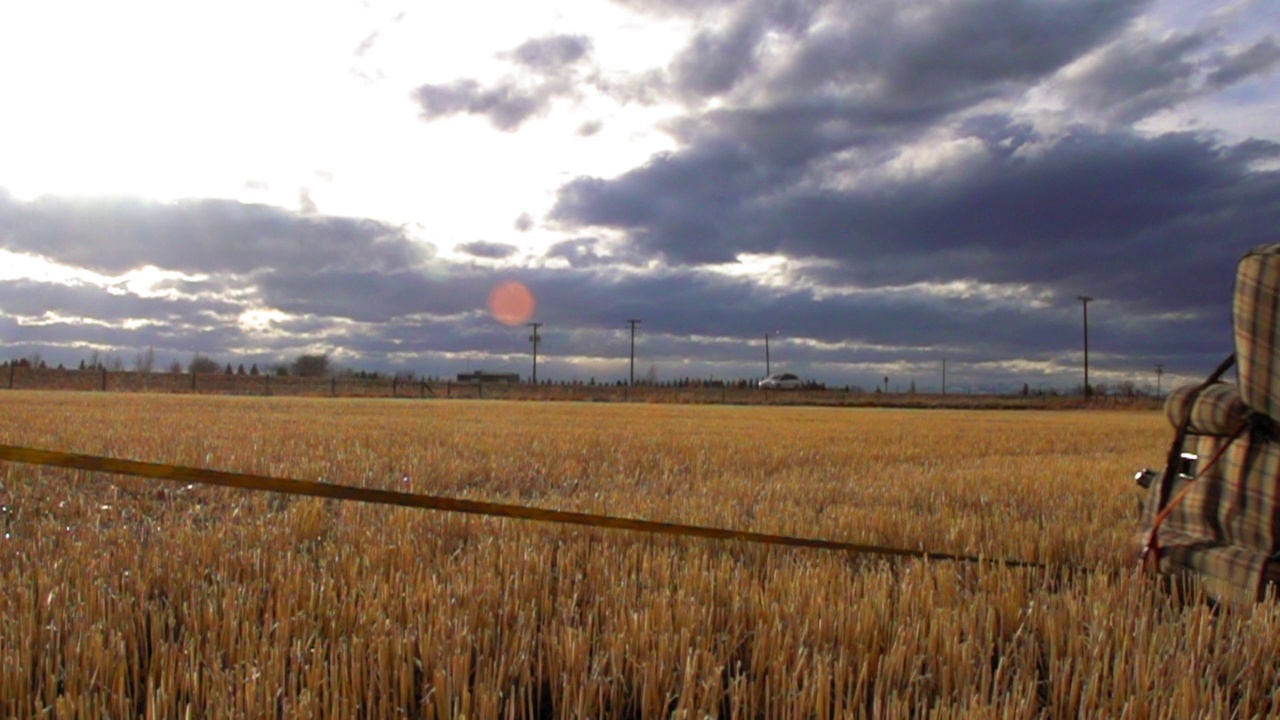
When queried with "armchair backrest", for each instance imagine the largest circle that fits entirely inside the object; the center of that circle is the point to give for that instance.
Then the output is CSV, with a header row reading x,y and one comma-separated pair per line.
x,y
1256,316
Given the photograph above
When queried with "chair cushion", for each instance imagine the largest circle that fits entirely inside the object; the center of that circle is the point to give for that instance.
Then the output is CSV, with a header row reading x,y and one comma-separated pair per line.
x,y
1217,410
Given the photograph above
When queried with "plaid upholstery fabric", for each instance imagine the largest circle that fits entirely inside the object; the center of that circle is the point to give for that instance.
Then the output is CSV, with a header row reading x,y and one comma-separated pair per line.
x,y
1217,410
1256,312
1227,529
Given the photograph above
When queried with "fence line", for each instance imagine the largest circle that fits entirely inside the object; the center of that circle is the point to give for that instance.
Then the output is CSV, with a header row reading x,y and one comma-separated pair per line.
x,y
103,380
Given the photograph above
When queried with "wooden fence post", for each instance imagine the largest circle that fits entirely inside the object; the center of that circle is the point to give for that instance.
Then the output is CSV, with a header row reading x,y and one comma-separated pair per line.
x,y
104,379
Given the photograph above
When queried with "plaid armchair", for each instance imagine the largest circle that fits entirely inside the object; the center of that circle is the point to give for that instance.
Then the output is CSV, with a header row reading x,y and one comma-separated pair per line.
x,y
1227,528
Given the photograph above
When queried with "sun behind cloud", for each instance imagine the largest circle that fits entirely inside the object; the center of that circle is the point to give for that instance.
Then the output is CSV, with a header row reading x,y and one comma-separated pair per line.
x,y
512,303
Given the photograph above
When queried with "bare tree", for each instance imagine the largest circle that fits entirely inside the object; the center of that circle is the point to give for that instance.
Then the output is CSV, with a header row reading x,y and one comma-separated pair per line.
x,y
145,361
202,364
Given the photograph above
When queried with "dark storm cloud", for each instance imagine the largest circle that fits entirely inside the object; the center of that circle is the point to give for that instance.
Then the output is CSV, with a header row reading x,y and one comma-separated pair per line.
x,y
694,323
35,299
715,61
682,305
863,78
1133,79
706,318
594,297
1138,76
572,301
1090,207
67,318
547,68
1259,58
892,57
686,206
1155,223
491,250
371,296
1121,213
957,48
113,235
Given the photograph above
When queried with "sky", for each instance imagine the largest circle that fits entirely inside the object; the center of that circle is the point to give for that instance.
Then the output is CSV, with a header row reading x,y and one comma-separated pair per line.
x,y
876,186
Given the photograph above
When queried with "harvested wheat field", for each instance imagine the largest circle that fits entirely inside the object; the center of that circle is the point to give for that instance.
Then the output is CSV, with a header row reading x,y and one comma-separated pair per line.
x,y
125,597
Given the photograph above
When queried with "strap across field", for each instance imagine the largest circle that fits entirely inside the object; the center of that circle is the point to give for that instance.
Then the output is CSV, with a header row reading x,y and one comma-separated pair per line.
x,y
246,481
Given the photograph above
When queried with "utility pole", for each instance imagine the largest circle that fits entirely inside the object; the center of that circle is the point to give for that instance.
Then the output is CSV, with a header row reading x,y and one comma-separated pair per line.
x,y
767,369
633,322
535,339
1084,302
1159,372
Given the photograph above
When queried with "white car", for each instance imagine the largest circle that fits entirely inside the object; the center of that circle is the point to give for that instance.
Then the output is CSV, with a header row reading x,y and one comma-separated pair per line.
x,y
781,381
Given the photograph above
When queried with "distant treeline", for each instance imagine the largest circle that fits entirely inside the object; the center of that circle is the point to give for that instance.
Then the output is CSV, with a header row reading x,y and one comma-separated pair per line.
x,y
20,375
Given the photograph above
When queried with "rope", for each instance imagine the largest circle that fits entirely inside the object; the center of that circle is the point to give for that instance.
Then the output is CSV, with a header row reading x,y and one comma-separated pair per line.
x,y
246,481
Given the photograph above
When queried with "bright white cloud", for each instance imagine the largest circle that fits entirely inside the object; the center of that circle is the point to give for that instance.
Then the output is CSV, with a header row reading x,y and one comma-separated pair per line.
x,y
273,102
146,282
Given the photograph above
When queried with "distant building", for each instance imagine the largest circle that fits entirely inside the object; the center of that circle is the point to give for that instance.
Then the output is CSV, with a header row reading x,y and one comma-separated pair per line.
x,y
480,376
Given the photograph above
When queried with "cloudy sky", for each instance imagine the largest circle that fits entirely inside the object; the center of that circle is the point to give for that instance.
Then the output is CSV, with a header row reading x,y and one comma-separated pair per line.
x,y
880,184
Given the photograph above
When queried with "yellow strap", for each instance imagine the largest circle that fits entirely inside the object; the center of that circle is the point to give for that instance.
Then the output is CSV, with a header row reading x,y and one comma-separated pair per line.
x,y
246,481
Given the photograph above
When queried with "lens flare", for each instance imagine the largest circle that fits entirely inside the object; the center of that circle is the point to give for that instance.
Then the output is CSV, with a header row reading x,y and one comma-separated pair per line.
x,y
511,303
